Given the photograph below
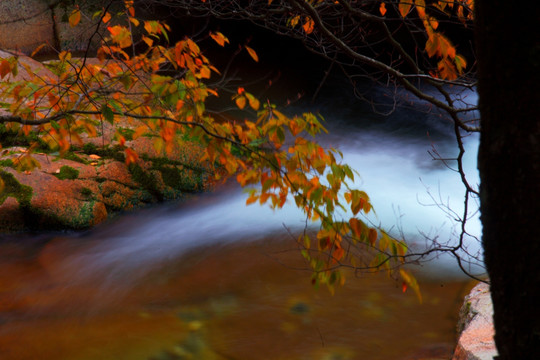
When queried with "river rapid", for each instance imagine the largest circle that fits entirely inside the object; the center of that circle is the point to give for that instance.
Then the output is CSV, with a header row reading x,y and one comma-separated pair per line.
x,y
212,278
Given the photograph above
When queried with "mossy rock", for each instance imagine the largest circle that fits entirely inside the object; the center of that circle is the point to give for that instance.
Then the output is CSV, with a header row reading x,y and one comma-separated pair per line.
x,y
13,188
67,173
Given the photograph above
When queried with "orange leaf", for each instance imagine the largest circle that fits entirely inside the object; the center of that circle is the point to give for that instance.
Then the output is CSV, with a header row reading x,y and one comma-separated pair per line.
x,y
106,18
251,199
5,68
131,156
219,38
357,227
382,8
75,17
241,102
420,8
252,53
372,236
405,7
308,25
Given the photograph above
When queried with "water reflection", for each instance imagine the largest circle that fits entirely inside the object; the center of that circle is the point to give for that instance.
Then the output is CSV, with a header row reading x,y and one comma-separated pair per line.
x,y
236,301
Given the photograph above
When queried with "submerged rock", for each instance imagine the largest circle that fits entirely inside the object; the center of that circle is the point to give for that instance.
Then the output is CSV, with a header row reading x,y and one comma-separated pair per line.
x,y
476,326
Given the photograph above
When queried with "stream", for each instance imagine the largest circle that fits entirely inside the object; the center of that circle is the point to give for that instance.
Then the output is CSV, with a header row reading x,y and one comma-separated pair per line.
x,y
211,278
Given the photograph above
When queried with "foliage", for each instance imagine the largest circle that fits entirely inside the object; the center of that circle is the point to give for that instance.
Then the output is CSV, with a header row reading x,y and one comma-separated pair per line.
x,y
161,90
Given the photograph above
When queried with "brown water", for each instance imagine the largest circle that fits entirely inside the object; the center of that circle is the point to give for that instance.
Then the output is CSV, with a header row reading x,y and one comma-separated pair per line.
x,y
241,301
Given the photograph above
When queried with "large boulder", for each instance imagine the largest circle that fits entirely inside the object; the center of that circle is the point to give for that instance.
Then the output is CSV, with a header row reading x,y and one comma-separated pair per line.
x,y
87,185
84,190
27,24
476,326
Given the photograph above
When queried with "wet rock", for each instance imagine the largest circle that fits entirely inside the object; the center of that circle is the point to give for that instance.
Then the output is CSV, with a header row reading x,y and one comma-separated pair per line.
x,y
12,217
476,326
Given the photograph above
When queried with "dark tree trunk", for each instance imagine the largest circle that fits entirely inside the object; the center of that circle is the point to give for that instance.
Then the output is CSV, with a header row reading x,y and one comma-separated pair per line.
x,y
508,46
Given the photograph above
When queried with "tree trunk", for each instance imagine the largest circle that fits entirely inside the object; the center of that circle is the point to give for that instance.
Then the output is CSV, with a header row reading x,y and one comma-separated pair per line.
x,y
508,49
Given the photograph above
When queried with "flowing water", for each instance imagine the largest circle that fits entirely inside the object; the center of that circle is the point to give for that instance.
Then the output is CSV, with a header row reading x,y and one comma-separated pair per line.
x,y
213,279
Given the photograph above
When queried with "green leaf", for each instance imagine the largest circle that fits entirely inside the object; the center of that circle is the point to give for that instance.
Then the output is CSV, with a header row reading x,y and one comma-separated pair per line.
x,y
107,113
55,125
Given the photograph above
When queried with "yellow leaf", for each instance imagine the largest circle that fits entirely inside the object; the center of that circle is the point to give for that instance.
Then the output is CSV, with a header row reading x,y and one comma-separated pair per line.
x,y
382,8
294,21
410,281
219,38
460,62
253,101
252,53
148,41
75,17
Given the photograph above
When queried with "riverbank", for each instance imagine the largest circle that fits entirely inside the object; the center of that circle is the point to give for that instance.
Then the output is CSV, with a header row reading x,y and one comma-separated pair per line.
x,y
44,189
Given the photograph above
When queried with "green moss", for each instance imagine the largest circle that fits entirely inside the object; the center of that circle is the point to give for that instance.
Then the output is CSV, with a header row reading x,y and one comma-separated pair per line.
x,y
86,192
37,219
89,148
67,172
73,157
15,189
146,180
109,152
6,163
178,175
9,138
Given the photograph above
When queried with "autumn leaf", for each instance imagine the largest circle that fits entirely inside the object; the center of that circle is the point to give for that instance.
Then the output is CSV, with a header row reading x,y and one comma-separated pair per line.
x,y
75,17
382,8
5,68
219,38
38,49
294,21
241,102
252,53
405,7
411,282
253,101
106,18
308,26
131,156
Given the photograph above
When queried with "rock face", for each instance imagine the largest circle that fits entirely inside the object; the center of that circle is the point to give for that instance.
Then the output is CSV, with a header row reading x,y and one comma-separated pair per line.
x,y
27,24
82,192
476,326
